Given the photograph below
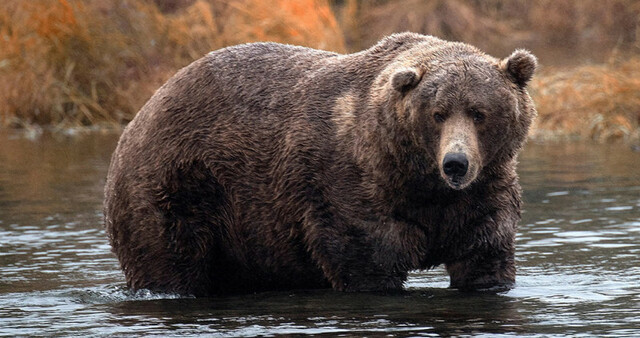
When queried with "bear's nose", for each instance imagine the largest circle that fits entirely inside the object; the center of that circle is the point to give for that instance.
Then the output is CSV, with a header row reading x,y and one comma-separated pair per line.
x,y
455,165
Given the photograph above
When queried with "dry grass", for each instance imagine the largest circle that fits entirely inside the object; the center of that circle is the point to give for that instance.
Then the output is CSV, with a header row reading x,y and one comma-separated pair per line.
x,y
77,62
600,102
74,62
449,19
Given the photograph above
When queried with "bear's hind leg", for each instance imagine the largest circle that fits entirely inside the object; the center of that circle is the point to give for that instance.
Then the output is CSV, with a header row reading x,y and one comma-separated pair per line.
x,y
197,215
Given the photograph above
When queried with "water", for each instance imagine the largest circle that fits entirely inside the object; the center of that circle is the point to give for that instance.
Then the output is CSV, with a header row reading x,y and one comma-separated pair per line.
x,y
578,258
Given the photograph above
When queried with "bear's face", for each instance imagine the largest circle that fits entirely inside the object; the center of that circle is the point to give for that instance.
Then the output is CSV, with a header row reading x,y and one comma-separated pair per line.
x,y
464,112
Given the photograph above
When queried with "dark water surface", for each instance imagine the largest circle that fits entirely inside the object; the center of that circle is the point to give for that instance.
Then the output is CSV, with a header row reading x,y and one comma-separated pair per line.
x,y
578,258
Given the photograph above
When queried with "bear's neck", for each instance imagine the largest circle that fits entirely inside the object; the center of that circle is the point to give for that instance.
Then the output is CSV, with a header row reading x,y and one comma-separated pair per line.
x,y
394,170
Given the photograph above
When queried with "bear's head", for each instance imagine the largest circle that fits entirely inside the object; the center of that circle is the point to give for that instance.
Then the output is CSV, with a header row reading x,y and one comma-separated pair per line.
x,y
468,112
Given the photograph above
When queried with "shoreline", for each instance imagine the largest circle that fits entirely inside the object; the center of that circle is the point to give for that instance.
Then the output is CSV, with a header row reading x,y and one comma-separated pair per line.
x,y
536,136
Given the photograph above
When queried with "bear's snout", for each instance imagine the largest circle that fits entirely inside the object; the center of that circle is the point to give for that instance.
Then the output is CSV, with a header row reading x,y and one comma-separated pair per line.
x,y
455,166
459,168
459,157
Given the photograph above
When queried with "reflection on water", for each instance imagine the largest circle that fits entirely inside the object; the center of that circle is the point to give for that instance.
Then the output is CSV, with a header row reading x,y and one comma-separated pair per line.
x,y
578,258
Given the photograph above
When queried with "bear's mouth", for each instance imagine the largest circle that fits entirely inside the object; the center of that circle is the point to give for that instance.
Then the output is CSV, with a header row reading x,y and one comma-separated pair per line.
x,y
455,182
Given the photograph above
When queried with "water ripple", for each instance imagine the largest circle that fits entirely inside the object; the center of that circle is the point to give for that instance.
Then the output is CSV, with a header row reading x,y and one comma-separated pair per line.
x,y
578,249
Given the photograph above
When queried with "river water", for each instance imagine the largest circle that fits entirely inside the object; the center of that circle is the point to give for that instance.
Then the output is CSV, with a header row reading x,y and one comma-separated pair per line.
x,y
578,259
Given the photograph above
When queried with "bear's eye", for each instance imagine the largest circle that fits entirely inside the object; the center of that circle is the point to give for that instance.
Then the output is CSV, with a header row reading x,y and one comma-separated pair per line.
x,y
477,115
438,117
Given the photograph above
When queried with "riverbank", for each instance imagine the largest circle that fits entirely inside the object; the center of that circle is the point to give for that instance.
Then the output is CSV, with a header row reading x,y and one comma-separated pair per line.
x,y
72,65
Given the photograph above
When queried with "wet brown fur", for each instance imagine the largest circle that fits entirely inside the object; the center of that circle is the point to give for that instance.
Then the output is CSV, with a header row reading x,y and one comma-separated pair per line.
x,y
266,166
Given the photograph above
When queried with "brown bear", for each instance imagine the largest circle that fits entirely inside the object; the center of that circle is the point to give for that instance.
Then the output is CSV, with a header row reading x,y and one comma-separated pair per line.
x,y
268,167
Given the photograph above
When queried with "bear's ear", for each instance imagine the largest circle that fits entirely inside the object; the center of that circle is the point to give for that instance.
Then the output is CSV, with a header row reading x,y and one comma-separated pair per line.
x,y
520,67
405,79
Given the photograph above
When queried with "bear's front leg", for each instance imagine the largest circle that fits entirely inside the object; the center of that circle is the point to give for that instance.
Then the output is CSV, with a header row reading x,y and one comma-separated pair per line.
x,y
484,271
363,257
489,265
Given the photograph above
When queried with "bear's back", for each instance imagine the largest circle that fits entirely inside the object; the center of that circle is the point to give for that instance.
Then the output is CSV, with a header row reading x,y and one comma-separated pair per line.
x,y
239,88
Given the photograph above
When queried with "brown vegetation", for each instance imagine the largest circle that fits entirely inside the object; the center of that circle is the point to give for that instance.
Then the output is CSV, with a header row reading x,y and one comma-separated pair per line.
x,y
75,62
66,62
601,102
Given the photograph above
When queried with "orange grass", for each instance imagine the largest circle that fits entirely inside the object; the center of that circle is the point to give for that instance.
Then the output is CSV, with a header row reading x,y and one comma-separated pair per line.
x,y
74,62
600,102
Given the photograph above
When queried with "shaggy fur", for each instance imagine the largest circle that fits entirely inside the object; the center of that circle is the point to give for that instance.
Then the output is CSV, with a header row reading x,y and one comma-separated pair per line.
x,y
265,166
